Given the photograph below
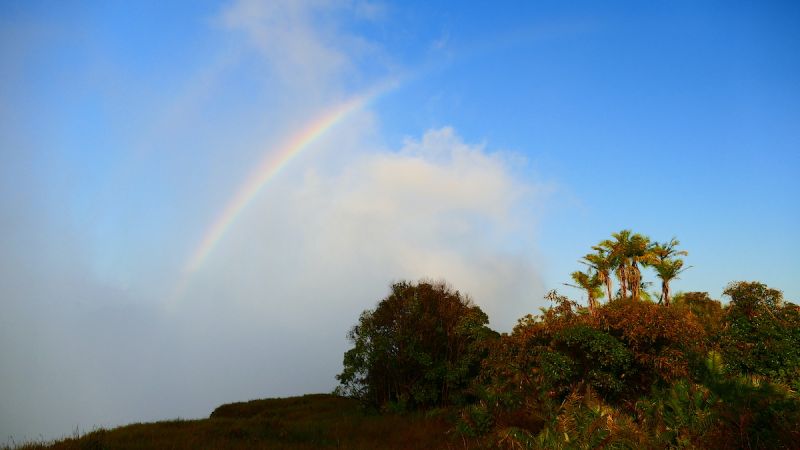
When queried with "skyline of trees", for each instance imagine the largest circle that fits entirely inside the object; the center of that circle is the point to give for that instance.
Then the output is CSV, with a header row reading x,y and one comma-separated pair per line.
x,y
624,256
627,373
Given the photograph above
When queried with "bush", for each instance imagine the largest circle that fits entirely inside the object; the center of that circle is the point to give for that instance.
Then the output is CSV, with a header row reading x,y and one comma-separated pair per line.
x,y
662,340
709,312
620,351
762,333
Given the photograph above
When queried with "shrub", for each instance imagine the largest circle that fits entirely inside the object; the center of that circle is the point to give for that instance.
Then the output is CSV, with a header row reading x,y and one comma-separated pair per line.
x,y
709,312
761,333
662,340
620,351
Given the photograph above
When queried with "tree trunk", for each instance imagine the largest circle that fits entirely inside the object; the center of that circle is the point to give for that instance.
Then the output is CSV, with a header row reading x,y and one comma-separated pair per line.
x,y
608,286
665,291
622,275
635,282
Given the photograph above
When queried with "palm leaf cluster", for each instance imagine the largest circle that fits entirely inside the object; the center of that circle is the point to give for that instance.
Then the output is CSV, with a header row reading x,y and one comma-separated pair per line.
x,y
624,256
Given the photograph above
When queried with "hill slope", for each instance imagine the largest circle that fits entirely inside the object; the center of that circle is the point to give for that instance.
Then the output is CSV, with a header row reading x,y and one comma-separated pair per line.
x,y
307,422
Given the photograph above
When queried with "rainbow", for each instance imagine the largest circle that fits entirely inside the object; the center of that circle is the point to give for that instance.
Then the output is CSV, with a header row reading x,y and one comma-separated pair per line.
x,y
272,164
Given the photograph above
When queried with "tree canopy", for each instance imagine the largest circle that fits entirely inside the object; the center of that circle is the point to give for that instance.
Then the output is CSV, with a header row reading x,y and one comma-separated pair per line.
x,y
420,347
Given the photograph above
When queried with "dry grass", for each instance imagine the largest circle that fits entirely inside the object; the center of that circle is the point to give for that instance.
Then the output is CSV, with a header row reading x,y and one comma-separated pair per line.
x,y
307,422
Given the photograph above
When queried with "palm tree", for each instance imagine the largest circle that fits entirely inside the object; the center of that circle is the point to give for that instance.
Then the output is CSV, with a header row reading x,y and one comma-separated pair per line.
x,y
628,251
602,263
668,270
666,265
638,252
668,249
615,250
590,282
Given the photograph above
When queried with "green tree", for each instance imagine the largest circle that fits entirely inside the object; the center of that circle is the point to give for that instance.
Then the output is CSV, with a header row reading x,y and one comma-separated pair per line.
x,y
603,264
668,270
419,348
638,253
667,266
629,251
590,282
616,249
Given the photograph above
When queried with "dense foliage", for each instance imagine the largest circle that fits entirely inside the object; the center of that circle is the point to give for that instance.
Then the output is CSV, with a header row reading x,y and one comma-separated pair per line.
x,y
762,333
681,371
421,347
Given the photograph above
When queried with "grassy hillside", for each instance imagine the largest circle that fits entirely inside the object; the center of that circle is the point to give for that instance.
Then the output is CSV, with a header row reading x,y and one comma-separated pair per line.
x,y
307,422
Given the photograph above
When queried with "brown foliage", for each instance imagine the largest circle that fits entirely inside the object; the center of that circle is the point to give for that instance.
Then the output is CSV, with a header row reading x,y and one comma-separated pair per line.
x,y
708,312
660,338
623,348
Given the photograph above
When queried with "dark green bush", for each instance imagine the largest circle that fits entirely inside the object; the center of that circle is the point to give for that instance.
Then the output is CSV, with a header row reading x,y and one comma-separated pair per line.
x,y
761,334
420,348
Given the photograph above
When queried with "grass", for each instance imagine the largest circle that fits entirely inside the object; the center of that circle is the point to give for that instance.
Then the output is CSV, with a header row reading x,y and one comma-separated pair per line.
x,y
307,422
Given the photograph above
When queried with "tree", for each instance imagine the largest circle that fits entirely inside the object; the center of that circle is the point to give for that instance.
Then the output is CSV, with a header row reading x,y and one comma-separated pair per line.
x,y
602,263
616,253
419,348
668,270
666,265
591,283
629,251
637,252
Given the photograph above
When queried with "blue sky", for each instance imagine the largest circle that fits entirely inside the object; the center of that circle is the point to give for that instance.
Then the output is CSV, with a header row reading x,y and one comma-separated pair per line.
x,y
517,136
673,119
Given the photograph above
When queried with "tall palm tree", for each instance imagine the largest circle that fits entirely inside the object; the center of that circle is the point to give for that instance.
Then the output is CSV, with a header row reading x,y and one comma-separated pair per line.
x,y
590,282
603,264
638,252
667,266
668,270
628,251
615,250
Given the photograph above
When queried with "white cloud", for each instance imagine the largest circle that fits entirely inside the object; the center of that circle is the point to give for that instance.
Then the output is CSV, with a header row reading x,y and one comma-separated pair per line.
x,y
295,40
336,237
